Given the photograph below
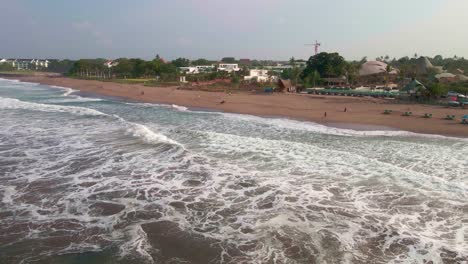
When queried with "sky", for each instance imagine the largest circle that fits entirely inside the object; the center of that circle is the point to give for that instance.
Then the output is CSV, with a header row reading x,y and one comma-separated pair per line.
x,y
255,29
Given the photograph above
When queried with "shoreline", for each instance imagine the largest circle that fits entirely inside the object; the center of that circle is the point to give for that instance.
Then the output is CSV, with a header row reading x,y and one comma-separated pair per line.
x,y
364,114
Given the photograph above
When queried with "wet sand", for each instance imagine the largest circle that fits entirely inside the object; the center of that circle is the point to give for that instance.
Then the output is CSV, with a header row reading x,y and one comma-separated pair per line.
x,y
361,112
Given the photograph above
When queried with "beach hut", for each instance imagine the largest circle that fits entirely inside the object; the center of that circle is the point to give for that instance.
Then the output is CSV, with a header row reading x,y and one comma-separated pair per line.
x,y
424,66
414,87
286,86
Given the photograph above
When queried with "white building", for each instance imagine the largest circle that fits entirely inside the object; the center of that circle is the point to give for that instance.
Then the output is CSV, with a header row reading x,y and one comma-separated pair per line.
x,y
27,64
110,63
259,76
197,69
228,67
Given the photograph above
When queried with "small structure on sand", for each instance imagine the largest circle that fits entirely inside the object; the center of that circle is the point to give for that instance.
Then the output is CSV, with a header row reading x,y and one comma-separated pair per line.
x,y
414,87
337,81
286,86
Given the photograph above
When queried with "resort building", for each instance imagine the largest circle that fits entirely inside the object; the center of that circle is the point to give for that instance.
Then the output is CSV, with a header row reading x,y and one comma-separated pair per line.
x,y
110,63
197,69
228,67
259,76
424,67
245,62
375,73
375,68
27,64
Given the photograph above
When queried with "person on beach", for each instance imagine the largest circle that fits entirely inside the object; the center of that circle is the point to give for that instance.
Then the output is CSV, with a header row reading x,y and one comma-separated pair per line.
x,y
325,115
345,110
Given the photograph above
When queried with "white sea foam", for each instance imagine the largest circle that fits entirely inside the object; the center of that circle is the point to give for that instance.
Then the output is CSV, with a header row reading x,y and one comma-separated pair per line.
x,y
256,183
307,125
323,129
144,133
11,103
179,108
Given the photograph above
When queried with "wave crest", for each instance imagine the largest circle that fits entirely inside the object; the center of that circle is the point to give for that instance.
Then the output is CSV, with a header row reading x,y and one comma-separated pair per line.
x,y
11,103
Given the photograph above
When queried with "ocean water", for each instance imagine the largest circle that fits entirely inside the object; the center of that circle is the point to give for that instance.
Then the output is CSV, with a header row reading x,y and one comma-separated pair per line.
x,y
98,180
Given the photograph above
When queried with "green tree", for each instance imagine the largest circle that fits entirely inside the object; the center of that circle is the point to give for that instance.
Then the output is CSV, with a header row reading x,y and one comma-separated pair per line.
x,y
124,68
312,79
181,62
201,62
436,90
4,66
228,60
326,64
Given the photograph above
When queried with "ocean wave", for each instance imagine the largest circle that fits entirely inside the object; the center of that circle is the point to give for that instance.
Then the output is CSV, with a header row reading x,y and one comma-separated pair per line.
x,y
287,123
68,91
329,130
9,80
11,103
179,108
145,133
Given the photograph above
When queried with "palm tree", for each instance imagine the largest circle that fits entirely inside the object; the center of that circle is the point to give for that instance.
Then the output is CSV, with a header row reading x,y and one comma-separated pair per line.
x,y
387,75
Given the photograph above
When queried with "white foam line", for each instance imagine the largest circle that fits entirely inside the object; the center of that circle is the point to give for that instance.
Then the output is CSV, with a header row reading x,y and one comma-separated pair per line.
x,y
11,103
10,80
308,125
68,91
145,133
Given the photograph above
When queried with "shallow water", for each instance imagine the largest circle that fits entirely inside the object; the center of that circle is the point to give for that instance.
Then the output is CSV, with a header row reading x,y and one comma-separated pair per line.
x,y
94,180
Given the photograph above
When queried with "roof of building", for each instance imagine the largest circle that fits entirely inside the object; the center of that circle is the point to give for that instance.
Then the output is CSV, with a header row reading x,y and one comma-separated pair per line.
x,y
375,67
284,84
423,66
462,77
414,86
445,75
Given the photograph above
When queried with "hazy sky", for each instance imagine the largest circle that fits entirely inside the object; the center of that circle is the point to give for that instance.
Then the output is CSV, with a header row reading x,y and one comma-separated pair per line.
x,y
262,29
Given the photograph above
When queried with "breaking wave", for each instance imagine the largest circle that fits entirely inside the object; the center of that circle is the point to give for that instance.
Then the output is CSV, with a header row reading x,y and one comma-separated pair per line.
x,y
11,103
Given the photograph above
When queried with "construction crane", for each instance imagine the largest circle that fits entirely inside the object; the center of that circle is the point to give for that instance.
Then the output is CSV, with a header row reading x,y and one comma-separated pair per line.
x,y
316,46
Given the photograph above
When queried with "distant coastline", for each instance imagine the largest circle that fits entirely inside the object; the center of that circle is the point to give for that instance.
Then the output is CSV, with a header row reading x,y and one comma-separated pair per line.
x,y
361,112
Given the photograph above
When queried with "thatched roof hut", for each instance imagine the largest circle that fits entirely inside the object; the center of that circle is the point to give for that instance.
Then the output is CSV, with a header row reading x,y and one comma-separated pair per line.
x,y
424,66
374,68
414,87
285,86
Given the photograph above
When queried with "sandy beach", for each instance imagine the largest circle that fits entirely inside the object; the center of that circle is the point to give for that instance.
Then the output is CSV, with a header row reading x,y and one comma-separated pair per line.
x,y
361,112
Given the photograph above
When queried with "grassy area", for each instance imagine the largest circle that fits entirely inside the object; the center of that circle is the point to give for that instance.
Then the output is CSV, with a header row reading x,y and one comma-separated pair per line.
x,y
28,72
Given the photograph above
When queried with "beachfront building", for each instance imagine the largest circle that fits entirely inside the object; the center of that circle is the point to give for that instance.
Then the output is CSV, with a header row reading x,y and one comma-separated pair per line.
x,y
424,67
375,73
286,86
197,69
110,63
229,67
27,64
245,62
259,76
414,88
336,82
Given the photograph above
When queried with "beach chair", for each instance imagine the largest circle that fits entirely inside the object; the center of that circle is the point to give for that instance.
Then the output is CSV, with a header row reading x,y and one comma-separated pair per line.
x,y
426,115
465,120
268,90
450,117
407,113
387,112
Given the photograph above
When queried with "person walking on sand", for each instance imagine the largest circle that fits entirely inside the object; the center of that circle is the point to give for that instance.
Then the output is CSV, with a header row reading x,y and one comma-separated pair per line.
x,y
345,110
325,115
